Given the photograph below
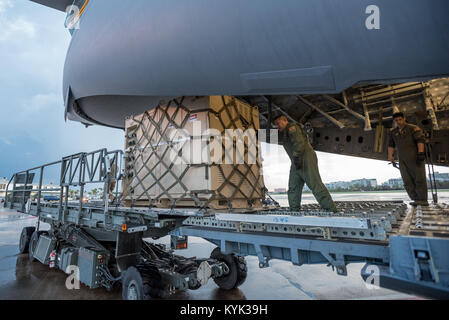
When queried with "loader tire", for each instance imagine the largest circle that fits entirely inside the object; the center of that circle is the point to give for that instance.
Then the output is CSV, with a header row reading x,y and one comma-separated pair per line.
x,y
141,283
229,281
242,270
133,285
25,238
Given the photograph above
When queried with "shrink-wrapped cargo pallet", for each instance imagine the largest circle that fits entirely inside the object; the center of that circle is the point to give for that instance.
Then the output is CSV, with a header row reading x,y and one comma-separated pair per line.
x,y
195,152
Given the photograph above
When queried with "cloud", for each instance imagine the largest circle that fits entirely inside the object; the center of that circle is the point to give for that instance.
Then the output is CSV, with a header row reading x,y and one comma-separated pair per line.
x,y
5,141
13,28
41,102
35,43
4,4
16,27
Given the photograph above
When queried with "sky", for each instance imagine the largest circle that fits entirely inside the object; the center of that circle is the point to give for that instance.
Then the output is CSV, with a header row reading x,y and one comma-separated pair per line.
x,y
33,45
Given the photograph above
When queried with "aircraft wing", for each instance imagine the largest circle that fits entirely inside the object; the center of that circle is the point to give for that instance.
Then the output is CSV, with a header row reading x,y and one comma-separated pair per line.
x,y
60,5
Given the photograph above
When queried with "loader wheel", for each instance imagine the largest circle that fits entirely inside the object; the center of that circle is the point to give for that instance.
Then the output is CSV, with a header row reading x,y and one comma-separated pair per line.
x,y
242,270
25,238
133,286
228,281
194,285
33,244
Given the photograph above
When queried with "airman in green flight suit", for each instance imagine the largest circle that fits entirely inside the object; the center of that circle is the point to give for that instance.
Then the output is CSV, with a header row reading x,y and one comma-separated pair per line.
x,y
409,140
304,168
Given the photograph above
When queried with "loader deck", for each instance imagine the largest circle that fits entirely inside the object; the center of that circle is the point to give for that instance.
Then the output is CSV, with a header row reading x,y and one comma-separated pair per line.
x,y
404,244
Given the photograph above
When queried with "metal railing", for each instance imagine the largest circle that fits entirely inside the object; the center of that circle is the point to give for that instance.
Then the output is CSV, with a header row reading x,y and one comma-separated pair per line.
x,y
76,171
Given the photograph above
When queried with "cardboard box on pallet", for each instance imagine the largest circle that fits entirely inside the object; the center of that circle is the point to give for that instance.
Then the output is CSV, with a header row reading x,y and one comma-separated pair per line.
x,y
183,154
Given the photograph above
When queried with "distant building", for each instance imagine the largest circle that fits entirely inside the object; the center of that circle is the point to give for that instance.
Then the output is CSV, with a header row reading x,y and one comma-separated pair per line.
x,y
3,185
364,183
441,177
354,184
47,189
371,184
338,185
396,183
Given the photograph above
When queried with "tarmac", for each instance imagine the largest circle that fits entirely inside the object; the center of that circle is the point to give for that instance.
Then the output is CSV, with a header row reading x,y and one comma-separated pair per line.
x,y
21,279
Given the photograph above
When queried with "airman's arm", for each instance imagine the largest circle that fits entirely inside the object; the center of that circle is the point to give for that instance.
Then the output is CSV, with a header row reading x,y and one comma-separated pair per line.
x,y
390,154
418,135
391,147
298,140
